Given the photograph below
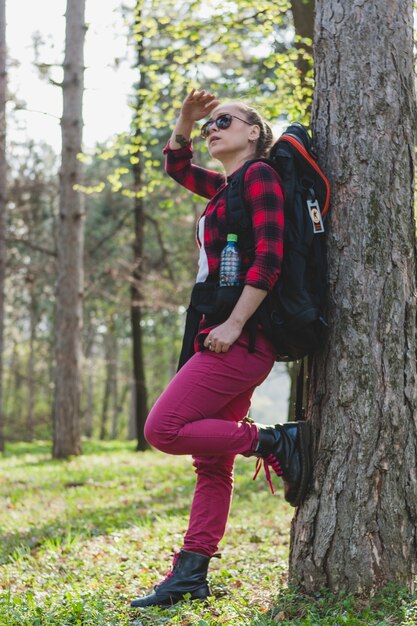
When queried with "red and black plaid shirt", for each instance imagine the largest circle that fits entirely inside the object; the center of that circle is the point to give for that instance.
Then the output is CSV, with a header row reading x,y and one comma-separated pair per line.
x,y
264,199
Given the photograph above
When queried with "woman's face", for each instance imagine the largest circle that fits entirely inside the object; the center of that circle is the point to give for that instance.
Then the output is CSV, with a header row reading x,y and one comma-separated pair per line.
x,y
237,137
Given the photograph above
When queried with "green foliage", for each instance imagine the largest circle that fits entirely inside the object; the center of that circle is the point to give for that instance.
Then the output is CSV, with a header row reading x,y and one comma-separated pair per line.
x,y
234,49
81,538
392,605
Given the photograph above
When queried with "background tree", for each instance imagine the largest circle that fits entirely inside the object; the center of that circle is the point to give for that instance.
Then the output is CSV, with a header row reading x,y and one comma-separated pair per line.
x,y
357,529
70,243
303,18
140,400
3,186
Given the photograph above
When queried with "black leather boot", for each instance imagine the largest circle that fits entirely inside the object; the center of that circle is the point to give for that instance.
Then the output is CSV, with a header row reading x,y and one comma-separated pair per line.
x,y
188,576
287,449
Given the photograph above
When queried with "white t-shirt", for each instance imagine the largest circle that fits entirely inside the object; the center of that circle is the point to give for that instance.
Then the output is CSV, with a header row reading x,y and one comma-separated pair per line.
x,y
203,269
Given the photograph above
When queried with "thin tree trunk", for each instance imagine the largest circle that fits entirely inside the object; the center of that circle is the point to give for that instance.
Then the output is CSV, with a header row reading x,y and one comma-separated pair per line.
x,y
132,413
357,530
10,390
114,386
123,400
90,406
141,403
8,382
31,365
303,17
70,244
3,186
89,386
108,355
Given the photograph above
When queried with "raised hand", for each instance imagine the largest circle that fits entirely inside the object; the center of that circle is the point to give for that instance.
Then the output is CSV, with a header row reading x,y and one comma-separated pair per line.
x,y
198,104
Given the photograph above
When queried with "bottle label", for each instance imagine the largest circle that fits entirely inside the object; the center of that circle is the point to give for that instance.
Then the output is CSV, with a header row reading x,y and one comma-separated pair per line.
x,y
230,266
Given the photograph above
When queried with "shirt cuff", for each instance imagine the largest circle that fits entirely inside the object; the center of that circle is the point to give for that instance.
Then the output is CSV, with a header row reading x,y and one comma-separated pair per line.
x,y
180,153
265,284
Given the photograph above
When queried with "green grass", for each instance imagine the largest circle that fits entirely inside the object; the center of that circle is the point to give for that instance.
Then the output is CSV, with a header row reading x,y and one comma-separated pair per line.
x,y
79,539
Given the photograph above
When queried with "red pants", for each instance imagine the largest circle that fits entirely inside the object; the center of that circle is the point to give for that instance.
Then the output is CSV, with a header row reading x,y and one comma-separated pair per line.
x,y
200,413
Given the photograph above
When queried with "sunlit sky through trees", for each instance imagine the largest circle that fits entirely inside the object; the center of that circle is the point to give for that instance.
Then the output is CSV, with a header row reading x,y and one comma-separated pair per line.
x,y
108,78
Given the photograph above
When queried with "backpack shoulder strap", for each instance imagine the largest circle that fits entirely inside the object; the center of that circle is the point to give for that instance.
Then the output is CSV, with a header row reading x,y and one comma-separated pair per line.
x,y
237,212
236,208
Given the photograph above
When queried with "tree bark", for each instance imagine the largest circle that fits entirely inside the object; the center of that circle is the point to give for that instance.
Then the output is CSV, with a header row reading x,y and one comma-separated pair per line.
x,y
70,244
357,530
3,187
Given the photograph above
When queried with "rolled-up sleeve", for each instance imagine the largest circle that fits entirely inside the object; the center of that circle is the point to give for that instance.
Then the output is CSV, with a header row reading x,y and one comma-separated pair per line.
x,y
265,201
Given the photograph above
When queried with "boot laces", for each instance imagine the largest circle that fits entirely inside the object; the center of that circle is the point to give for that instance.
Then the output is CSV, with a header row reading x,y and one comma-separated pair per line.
x,y
270,460
171,572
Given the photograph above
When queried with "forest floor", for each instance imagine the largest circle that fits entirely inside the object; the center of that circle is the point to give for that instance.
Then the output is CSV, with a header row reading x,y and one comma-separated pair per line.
x,y
80,538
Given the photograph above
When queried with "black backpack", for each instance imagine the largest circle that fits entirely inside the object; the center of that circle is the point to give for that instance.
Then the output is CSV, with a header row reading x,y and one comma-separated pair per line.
x,y
293,314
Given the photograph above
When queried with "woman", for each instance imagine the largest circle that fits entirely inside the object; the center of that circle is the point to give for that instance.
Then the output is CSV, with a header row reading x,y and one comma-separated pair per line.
x,y
202,411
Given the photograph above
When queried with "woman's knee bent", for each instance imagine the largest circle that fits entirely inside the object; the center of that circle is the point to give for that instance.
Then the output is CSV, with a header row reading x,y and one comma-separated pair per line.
x,y
159,432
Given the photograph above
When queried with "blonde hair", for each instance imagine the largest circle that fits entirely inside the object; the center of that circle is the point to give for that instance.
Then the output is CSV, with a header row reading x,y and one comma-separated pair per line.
x,y
266,136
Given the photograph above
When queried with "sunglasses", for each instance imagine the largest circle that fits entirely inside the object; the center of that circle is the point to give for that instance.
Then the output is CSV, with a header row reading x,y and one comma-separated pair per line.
x,y
222,122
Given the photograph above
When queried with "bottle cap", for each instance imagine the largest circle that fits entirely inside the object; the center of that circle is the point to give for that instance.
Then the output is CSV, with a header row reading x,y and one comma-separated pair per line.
x,y
232,237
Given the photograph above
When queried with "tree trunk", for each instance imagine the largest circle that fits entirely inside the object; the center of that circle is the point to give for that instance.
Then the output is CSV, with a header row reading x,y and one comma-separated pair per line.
x,y
115,387
89,385
90,406
141,403
303,18
31,364
110,386
107,387
3,186
131,429
70,244
10,389
357,530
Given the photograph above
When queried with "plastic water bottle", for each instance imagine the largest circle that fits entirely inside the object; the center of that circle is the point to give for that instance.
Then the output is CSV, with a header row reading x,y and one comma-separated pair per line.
x,y
230,263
